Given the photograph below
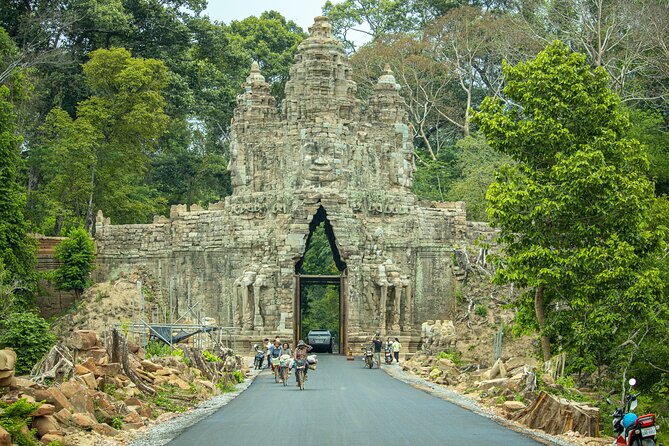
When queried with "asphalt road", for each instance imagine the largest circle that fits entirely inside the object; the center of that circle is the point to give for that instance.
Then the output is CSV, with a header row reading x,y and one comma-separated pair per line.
x,y
344,404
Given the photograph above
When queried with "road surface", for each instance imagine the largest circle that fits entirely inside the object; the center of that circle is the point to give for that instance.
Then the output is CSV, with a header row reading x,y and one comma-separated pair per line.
x,y
344,404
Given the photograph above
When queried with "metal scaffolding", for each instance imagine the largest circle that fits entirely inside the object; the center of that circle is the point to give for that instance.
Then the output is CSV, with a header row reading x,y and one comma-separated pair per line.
x,y
151,321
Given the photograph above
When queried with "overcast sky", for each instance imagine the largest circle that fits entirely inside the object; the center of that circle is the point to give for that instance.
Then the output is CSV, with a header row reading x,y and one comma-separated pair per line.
x,y
301,12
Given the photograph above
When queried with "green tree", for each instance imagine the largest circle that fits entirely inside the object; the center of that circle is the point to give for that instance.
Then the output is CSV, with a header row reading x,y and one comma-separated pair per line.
x,y
477,163
101,157
318,258
377,18
77,255
29,336
322,309
574,211
17,250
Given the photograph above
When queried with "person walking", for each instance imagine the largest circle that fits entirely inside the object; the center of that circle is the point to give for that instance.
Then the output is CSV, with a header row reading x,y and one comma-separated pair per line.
x,y
268,345
396,350
377,344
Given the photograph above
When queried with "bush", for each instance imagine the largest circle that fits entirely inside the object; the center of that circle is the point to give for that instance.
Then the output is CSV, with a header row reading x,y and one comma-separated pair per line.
x,y
226,386
29,336
77,253
453,355
159,348
239,376
117,423
210,357
15,417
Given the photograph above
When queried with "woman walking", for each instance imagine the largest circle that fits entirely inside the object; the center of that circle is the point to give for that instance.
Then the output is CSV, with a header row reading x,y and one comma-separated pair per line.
x,y
396,350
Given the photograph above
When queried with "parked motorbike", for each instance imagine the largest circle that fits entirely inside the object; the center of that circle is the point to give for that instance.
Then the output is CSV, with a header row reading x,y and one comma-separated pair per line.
x,y
633,430
388,356
369,358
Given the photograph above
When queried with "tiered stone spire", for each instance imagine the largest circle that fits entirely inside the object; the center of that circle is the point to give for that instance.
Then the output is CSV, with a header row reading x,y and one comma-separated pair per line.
x,y
320,82
255,119
386,104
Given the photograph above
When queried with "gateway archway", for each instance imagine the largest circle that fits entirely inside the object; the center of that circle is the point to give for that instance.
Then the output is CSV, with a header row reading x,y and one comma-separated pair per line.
x,y
320,284
321,150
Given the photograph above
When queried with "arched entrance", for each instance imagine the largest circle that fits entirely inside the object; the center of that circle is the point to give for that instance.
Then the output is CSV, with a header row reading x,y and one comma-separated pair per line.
x,y
320,278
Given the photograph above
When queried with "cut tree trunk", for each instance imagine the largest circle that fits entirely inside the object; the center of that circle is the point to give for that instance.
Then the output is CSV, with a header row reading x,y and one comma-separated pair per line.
x,y
119,354
541,318
57,365
557,416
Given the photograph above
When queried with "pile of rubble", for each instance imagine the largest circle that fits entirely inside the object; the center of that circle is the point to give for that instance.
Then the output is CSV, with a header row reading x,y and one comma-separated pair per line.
x,y
7,365
86,389
509,386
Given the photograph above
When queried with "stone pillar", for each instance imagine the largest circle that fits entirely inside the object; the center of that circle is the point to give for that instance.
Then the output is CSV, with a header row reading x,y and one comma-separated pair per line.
x,y
257,318
407,323
396,293
383,304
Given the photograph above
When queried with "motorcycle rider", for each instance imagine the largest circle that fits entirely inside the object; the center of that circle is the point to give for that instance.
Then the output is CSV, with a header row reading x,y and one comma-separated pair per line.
x,y
301,352
260,356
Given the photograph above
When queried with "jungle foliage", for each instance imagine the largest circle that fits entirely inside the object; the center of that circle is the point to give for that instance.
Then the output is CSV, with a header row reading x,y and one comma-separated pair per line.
x,y
77,256
126,105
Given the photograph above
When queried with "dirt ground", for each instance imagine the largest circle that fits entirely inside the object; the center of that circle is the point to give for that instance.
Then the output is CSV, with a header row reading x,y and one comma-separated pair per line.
x,y
112,303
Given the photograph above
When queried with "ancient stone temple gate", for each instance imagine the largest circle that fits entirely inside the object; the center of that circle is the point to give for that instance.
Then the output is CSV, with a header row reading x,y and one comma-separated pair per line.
x,y
320,158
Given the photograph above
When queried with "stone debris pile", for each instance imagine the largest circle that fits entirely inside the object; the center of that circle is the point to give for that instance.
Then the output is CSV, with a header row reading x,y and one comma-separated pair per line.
x,y
510,386
7,365
94,394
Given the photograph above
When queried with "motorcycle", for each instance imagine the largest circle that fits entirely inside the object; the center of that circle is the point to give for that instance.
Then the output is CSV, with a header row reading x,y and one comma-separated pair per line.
x,y
631,429
259,358
388,356
369,358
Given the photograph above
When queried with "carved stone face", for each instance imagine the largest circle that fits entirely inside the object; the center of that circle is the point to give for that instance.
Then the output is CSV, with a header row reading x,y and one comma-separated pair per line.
x,y
318,162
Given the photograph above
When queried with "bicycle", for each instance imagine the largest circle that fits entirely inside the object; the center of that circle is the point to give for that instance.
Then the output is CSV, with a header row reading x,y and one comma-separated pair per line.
x,y
300,364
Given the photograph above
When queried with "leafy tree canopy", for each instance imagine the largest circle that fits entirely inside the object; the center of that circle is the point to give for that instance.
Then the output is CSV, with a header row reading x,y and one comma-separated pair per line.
x,y
17,251
77,254
574,210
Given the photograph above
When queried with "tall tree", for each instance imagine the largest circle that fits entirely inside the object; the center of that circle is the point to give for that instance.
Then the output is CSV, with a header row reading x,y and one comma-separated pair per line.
x,y
477,163
104,152
77,255
17,251
574,211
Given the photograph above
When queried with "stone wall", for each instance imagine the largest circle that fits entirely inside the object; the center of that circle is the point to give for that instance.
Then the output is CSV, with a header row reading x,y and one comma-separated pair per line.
x,y
321,158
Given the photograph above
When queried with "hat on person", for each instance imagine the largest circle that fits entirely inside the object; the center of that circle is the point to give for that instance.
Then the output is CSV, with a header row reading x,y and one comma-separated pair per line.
x,y
300,343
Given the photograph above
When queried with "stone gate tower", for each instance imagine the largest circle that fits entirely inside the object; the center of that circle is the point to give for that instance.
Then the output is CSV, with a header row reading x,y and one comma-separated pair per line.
x,y
320,158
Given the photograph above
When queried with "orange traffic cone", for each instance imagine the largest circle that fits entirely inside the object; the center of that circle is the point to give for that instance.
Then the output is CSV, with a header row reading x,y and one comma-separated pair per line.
x,y
350,355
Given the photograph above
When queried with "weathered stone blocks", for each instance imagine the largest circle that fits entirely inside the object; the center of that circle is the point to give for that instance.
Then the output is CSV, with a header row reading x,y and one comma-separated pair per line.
x,y
321,158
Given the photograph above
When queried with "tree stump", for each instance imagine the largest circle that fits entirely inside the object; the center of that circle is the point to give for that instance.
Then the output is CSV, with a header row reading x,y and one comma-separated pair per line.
x,y
555,415
119,354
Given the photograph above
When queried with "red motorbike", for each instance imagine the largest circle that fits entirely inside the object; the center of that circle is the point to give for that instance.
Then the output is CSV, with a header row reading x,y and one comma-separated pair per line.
x,y
633,430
